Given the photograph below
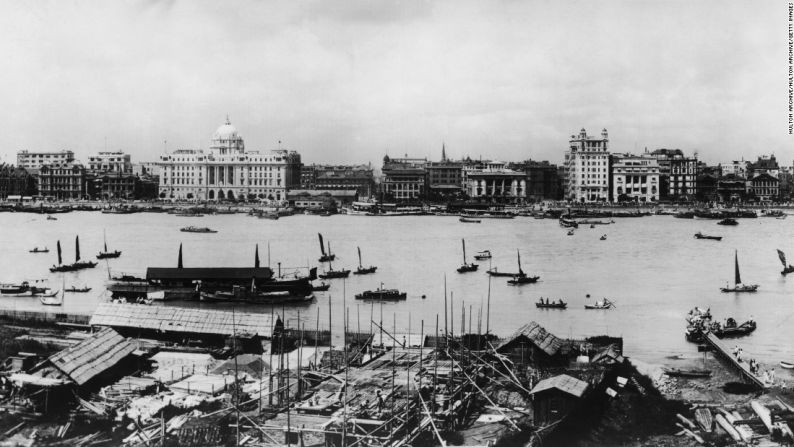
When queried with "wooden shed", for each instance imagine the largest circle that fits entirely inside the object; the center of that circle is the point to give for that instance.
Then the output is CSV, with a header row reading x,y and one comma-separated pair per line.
x,y
555,397
532,345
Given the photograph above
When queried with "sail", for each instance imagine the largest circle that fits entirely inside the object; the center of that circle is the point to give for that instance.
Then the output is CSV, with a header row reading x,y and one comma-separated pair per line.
x,y
179,261
359,256
76,248
60,261
737,279
256,257
782,257
329,248
464,250
520,272
322,246
105,237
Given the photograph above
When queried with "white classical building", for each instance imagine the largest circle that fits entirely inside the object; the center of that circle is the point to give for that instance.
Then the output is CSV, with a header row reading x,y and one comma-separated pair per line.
x,y
635,177
228,172
587,168
491,180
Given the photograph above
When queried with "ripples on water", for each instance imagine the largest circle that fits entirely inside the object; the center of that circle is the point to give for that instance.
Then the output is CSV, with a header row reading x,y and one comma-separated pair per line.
x,y
651,267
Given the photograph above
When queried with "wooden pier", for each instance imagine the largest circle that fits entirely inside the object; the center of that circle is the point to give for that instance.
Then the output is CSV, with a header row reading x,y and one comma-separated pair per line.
x,y
742,367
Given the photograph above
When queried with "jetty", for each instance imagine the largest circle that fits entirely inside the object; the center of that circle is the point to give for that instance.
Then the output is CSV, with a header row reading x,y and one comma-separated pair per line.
x,y
743,367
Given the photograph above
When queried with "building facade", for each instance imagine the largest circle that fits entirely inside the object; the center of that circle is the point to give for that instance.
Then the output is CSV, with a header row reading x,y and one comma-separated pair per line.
x,y
587,168
763,187
66,181
635,178
343,177
496,183
678,174
542,180
110,162
33,161
15,181
228,171
404,179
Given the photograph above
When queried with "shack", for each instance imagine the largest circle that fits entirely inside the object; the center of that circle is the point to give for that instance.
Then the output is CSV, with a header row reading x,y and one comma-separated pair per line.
x,y
532,345
555,397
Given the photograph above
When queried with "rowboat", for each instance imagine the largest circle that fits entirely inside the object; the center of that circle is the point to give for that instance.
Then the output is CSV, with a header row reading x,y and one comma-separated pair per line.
x,y
678,372
786,365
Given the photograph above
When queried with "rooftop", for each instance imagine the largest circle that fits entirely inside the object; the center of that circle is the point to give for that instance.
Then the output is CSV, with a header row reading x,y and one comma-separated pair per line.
x,y
564,383
92,356
543,339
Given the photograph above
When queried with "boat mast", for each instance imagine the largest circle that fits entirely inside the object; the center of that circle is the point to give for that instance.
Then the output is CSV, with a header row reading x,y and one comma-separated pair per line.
x,y
322,246
60,261
359,257
519,262
77,249
105,237
738,278
464,250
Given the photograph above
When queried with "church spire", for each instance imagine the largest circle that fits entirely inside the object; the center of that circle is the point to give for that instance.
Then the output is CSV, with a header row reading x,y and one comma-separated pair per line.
x,y
443,152
227,119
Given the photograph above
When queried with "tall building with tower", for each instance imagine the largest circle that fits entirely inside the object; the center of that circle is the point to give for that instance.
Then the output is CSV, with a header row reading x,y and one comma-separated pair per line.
x,y
587,168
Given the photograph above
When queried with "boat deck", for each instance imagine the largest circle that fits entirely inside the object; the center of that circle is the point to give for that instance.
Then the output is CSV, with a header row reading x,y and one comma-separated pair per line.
x,y
742,367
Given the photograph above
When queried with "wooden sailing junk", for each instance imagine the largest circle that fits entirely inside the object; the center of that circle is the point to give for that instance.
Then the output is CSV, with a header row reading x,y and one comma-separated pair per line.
x,y
361,270
787,268
107,254
326,257
331,273
737,280
521,277
466,267
77,265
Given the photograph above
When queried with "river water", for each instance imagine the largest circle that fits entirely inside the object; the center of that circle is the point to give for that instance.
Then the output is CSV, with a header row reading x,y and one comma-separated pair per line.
x,y
652,268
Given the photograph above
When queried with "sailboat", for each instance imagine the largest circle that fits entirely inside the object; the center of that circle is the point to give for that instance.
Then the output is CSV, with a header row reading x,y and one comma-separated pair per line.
x,y
521,277
107,254
361,270
331,273
466,267
77,265
786,268
737,284
53,300
325,257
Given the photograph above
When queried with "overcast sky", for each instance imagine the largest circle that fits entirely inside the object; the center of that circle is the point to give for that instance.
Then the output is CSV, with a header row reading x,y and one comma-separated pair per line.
x,y
353,80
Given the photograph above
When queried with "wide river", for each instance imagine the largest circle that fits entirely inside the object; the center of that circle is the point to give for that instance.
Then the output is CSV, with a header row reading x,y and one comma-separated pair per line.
x,y
652,268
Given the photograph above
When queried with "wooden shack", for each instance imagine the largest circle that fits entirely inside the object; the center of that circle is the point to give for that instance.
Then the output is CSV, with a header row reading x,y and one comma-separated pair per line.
x,y
532,345
555,397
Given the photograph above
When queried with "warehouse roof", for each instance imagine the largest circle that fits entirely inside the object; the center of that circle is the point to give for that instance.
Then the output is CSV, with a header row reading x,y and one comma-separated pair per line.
x,y
92,356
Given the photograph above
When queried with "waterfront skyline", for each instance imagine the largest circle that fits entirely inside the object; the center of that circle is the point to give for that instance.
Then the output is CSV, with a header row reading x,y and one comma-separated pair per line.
x,y
354,81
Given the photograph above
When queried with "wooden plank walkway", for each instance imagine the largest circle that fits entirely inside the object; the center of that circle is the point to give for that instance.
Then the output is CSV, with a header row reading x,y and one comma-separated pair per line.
x,y
742,367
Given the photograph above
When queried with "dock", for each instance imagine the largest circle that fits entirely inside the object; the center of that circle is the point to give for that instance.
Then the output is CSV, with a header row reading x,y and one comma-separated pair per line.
x,y
742,367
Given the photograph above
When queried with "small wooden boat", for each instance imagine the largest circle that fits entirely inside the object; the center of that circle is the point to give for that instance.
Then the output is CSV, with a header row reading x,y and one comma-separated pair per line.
x,y
107,254
466,267
74,289
568,223
704,419
51,218
700,235
737,281
551,304
694,373
604,237
494,272
332,274
728,221
192,229
483,255
39,250
522,278
786,365
732,329
469,220
570,232
600,304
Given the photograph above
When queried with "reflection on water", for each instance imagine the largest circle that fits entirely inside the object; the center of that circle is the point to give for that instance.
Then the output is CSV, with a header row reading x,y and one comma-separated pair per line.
x,y
652,268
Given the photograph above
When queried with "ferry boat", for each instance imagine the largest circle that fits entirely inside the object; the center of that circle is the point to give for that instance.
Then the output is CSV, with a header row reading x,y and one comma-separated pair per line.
x,y
192,229
382,294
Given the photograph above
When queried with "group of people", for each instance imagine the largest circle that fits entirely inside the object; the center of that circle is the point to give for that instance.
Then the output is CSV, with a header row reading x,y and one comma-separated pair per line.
x,y
755,368
548,302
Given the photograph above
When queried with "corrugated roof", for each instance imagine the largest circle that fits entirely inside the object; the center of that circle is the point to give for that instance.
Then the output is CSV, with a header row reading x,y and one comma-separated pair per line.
x,y
181,319
546,341
208,273
563,382
92,356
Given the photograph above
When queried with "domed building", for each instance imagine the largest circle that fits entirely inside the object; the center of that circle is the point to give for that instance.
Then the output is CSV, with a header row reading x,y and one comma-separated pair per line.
x,y
228,172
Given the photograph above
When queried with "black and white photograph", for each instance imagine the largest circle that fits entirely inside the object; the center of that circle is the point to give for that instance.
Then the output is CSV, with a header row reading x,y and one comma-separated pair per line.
x,y
396,223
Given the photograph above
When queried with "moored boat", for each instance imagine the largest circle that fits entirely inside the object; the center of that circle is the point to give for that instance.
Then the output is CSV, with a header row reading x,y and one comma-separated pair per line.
x,y
786,268
521,277
483,255
691,373
469,220
76,265
192,229
39,250
12,289
568,223
326,257
494,272
732,329
361,270
728,221
322,287
107,254
74,289
786,365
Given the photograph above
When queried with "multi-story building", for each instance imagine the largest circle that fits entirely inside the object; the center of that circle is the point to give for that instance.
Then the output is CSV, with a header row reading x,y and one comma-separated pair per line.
x,y
763,187
731,187
342,177
228,171
764,164
635,177
497,183
587,168
110,186
15,181
308,176
110,162
736,167
543,181
786,178
404,179
678,174
445,177
66,181
33,161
